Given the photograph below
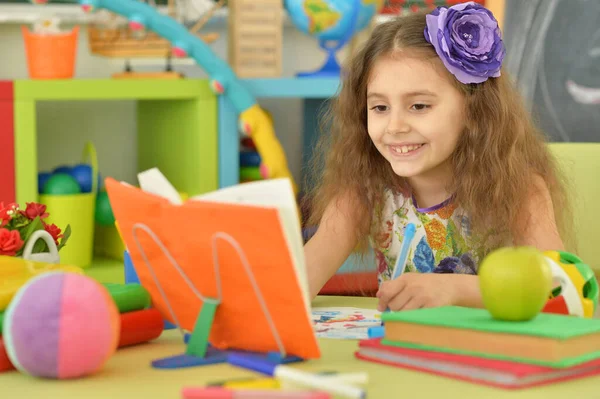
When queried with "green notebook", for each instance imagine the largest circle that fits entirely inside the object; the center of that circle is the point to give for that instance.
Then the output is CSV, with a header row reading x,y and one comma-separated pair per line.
x,y
545,325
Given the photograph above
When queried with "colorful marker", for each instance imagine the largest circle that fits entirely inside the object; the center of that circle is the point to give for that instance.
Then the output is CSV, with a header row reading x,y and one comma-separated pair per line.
x,y
376,332
224,393
297,377
409,234
248,383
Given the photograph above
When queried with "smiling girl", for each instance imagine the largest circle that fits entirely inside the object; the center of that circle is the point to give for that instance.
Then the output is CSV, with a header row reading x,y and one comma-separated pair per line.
x,y
428,130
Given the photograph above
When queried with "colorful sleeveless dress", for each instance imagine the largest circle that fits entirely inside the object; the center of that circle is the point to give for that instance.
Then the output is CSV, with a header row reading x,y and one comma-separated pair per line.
x,y
440,243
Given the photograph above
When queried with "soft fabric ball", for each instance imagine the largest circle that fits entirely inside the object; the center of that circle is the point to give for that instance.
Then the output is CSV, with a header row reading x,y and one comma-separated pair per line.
x,y
61,325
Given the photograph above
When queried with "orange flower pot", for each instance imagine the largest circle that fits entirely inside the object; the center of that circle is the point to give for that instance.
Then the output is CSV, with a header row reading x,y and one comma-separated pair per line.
x,y
51,56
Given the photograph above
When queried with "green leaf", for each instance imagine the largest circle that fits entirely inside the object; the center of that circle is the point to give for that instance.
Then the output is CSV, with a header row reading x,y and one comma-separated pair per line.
x,y
65,237
35,225
39,246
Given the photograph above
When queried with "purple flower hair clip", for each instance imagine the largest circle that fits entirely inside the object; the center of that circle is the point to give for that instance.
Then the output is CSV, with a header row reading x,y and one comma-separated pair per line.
x,y
467,38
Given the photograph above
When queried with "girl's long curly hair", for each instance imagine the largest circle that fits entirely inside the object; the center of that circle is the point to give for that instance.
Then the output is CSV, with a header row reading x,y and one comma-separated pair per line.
x,y
494,164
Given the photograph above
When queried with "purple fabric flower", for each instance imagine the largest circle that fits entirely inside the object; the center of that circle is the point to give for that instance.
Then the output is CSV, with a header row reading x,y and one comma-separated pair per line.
x,y
467,38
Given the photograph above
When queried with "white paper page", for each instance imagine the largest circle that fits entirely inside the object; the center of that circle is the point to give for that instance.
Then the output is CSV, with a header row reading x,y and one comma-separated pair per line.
x,y
272,193
154,182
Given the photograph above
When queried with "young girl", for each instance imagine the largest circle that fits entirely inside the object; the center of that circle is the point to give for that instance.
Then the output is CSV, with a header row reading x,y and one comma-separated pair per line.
x,y
428,129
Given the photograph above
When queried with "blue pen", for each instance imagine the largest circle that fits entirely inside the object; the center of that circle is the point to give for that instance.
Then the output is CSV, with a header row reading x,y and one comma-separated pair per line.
x,y
376,332
409,234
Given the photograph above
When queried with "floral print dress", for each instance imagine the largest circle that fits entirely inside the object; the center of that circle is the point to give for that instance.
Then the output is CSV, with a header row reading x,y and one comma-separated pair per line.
x,y
439,244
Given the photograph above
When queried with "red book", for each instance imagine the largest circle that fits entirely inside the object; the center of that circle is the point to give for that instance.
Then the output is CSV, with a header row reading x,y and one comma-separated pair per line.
x,y
485,371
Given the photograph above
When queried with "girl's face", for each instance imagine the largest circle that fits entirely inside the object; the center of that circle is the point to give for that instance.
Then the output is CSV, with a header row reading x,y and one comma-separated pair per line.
x,y
415,115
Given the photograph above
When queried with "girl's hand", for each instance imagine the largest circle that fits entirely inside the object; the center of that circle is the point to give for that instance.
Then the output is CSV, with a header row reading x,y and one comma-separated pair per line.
x,y
425,290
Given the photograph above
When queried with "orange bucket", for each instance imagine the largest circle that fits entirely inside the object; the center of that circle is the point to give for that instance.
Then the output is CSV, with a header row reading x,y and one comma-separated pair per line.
x,y
51,56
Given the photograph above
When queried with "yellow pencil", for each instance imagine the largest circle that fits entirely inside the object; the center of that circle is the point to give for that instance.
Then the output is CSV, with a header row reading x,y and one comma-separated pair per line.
x,y
259,383
248,383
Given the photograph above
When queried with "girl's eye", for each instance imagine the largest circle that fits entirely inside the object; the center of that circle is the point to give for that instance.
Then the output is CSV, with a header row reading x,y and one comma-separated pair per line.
x,y
420,107
379,108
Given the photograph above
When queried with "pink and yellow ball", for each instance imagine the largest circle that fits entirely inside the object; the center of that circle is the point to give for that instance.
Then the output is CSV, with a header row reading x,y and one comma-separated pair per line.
x,y
61,325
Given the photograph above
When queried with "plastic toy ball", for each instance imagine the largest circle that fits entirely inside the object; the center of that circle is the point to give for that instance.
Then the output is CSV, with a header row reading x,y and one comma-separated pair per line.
x,y
61,326
61,184
82,173
104,215
42,179
62,169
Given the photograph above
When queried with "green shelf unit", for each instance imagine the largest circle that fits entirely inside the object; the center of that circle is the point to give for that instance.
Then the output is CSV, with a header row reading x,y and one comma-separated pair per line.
x,y
177,127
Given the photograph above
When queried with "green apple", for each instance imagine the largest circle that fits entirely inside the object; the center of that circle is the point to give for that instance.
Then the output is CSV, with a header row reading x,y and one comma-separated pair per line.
x,y
515,283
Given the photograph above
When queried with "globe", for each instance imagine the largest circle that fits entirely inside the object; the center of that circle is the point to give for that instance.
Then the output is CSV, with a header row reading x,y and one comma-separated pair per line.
x,y
331,21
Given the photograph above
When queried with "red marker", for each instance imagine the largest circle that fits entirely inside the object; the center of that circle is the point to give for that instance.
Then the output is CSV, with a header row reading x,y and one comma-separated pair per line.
x,y
224,393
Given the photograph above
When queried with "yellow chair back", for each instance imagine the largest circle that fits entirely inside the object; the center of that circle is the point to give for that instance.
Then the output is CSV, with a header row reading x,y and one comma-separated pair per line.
x,y
580,162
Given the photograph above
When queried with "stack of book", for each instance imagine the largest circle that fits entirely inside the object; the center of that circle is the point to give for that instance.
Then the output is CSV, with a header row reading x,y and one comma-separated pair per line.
x,y
468,344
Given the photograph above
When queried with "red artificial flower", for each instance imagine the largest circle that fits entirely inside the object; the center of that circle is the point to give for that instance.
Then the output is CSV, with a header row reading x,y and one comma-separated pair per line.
x,y
54,231
10,242
5,214
33,210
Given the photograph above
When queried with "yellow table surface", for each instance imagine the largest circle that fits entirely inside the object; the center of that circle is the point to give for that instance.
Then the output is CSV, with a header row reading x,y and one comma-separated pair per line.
x,y
128,374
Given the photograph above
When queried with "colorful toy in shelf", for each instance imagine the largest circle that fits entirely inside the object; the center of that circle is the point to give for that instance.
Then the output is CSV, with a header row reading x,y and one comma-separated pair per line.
x,y
257,124
104,215
250,159
72,203
578,291
249,165
61,184
331,21
66,180
254,121
61,325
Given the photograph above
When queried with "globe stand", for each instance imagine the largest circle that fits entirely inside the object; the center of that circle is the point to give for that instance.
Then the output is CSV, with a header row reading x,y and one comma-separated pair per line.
x,y
332,68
